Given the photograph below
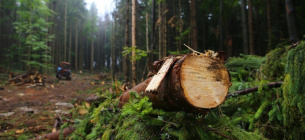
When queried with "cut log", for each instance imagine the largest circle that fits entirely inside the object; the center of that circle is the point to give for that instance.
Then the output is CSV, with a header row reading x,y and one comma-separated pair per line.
x,y
193,82
17,78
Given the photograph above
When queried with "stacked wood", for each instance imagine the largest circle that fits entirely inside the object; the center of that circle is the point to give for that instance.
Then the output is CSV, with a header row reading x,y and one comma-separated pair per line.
x,y
103,76
191,82
30,77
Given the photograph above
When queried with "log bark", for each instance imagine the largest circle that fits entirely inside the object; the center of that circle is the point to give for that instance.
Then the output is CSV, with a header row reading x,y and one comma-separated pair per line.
x,y
55,135
193,83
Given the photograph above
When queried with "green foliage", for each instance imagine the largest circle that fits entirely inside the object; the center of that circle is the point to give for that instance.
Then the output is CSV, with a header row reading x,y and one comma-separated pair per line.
x,y
24,137
177,53
139,120
139,53
248,62
184,34
269,113
244,71
32,28
275,63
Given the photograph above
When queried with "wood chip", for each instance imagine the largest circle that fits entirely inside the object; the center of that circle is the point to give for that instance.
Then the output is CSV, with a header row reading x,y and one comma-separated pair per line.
x,y
20,131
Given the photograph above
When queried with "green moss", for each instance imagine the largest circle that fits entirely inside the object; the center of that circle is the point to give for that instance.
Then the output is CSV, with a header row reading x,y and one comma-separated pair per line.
x,y
294,92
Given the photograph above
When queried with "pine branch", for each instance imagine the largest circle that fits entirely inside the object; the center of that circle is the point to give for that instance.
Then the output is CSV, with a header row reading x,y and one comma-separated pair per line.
x,y
254,89
217,132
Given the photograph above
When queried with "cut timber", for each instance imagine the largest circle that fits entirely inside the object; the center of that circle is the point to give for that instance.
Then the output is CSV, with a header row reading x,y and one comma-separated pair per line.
x,y
205,81
157,79
30,77
193,82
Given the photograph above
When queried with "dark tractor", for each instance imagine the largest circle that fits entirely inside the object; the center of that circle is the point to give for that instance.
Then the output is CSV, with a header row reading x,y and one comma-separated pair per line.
x,y
64,71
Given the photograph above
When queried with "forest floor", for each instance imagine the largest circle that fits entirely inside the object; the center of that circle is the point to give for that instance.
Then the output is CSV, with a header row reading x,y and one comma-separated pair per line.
x,y
31,110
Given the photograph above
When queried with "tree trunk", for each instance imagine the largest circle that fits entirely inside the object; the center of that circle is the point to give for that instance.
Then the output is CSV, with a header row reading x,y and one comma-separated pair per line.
x,y
133,43
192,83
126,57
81,52
150,54
244,26
92,55
147,40
194,41
221,26
164,48
76,48
269,25
251,33
160,29
180,29
65,32
292,27
113,60
70,43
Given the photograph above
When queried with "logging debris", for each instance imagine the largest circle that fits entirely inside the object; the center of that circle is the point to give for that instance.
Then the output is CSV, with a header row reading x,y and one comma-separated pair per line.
x,y
30,77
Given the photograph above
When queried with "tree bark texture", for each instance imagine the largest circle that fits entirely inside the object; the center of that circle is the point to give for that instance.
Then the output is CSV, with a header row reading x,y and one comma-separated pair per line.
x,y
126,57
164,25
194,42
251,33
150,55
133,43
160,29
193,83
292,27
244,26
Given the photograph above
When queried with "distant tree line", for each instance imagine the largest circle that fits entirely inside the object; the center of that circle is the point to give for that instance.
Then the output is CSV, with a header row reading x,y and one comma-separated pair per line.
x,y
39,34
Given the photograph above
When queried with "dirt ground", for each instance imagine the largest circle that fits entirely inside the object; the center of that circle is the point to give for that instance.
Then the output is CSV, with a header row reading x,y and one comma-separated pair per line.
x,y
31,110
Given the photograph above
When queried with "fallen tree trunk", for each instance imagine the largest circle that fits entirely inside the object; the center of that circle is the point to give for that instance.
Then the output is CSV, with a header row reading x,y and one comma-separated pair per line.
x,y
192,83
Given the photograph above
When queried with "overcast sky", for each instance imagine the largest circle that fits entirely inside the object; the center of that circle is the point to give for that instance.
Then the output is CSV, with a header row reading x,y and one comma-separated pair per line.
x,y
103,6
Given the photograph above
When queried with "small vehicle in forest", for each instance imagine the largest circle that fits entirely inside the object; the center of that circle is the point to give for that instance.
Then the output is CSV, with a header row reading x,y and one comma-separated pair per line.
x,y
64,70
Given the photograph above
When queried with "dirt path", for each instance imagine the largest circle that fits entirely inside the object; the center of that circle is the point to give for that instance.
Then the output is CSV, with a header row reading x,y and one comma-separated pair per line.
x,y
31,110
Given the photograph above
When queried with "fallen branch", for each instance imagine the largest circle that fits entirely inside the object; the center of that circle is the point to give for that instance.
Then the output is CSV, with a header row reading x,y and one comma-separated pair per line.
x,y
55,135
18,77
254,89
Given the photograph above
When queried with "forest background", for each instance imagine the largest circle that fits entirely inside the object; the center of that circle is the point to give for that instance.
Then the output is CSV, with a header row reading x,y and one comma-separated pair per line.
x,y
39,34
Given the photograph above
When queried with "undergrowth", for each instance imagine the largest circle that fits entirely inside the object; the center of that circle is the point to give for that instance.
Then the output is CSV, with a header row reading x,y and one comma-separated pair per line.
x,y
276,113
